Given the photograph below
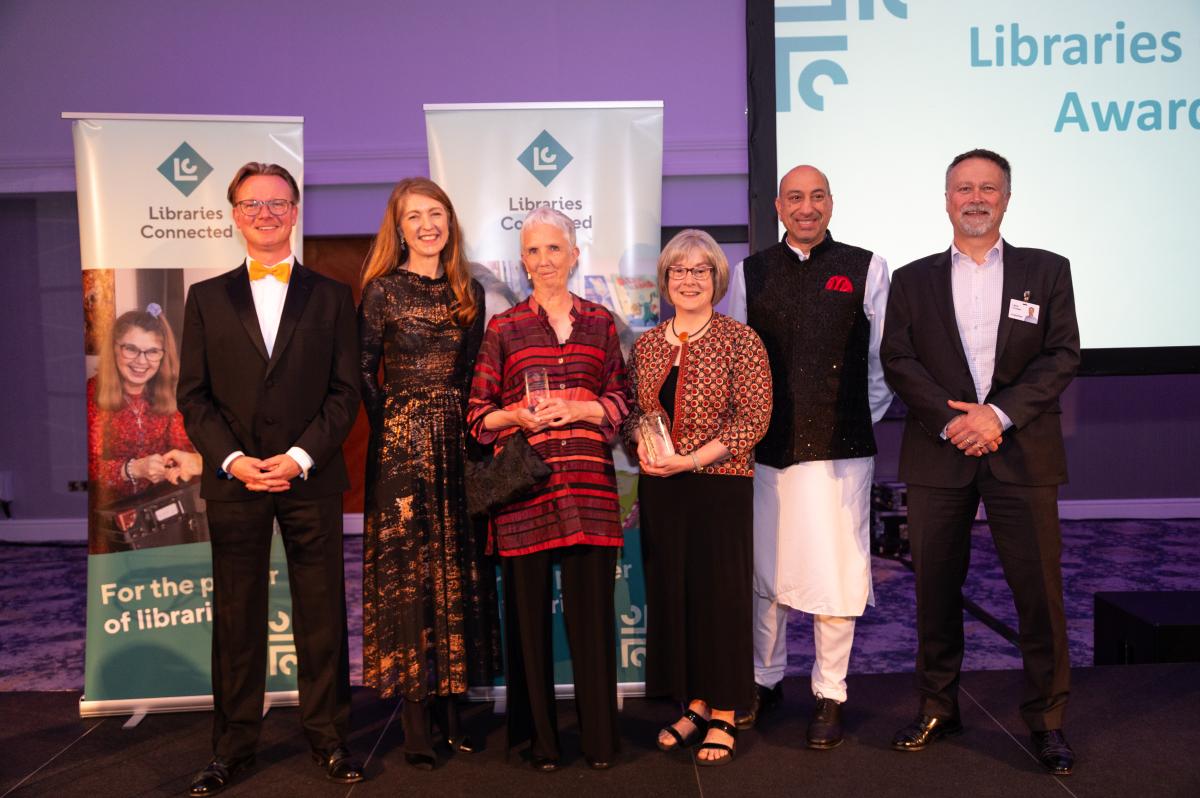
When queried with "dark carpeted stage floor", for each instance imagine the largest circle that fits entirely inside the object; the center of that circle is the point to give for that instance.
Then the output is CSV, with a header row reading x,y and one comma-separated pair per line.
x,y
1135,728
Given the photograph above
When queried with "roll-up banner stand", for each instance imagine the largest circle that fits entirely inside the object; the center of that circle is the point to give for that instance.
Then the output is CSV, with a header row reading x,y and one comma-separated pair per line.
x,y
599,163
153,220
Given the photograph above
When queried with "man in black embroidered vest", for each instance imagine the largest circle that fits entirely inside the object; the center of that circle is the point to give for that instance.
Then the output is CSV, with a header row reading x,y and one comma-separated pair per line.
x,y
980,341
818,306
269,388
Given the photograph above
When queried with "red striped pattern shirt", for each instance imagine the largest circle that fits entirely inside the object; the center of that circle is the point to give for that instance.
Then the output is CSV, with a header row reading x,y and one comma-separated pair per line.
x,y
579,502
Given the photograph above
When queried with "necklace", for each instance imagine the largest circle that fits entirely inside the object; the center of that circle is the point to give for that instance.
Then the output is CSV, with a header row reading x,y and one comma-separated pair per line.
x,y
684,336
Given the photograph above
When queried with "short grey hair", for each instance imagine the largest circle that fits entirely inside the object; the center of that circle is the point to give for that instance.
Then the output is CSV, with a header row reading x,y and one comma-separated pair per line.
x,y
986,155
552,217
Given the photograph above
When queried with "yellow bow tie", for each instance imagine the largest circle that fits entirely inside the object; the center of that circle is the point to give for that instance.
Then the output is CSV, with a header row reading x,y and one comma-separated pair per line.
x,y
280,271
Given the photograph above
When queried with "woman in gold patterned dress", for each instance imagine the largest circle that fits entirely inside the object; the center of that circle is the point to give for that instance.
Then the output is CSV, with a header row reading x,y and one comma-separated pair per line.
x,y
428,598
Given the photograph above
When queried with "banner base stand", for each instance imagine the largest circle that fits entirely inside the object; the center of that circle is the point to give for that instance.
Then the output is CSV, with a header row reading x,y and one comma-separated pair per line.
x,y
138,708
137,717
499,693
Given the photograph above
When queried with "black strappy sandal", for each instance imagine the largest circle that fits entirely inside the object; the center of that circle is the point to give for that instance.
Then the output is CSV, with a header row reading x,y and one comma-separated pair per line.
x,y
680,741
727,757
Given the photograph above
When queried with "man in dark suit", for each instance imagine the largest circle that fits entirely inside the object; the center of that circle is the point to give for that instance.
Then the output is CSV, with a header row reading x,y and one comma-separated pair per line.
x,y
268,388
980,341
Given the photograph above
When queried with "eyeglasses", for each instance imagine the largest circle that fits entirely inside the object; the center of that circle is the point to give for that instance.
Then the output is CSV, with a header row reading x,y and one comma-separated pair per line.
x,y
698,273
277,207
131,352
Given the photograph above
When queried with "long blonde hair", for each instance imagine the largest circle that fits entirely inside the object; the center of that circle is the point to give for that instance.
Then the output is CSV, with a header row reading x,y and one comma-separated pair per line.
x,y
160,390
386,255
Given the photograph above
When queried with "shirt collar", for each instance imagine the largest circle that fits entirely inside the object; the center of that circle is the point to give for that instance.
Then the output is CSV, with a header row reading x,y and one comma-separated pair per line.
x,y
956,254
290,260
822,245
541,311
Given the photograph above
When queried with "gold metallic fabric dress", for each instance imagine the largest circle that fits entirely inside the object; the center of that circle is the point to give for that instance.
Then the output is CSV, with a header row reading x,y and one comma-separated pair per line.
x,y
429,601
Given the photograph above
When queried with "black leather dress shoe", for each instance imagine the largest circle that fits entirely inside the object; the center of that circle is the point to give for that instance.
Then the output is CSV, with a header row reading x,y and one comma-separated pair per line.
x,y
464,744
598,764
217,775
340,765
825,728
766,699
544,764
1054,752
917,735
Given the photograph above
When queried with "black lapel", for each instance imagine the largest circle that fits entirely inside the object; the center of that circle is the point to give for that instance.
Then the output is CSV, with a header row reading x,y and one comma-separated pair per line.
x,y
300,285
1016,283
243,304
943,300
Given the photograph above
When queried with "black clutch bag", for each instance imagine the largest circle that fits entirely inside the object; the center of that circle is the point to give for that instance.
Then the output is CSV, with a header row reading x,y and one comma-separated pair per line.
x,y
493,482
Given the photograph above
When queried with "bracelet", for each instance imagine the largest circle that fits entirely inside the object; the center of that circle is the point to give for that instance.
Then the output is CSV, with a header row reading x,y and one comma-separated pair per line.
x,y
125,470
695,462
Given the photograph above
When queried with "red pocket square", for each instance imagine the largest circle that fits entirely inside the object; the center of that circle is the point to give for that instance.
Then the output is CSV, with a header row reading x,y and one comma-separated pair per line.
x,y
839,283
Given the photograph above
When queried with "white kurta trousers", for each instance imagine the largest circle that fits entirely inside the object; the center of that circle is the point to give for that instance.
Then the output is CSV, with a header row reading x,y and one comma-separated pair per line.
x,y
812,553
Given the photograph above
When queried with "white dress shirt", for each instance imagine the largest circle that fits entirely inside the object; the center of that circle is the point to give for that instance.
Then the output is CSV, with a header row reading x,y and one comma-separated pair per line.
x,y
978,291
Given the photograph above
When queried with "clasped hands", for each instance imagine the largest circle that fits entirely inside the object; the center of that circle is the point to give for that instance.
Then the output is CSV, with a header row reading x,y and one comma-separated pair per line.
x,y
977,431
175,466
272,475
553,413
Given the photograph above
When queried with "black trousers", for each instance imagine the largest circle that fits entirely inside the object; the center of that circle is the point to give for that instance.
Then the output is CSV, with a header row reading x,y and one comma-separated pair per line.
x,y
241,548
1024,525
588,579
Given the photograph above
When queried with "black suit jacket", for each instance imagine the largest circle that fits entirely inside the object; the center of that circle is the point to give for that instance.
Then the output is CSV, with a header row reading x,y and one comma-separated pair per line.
x,y
924,362
234,396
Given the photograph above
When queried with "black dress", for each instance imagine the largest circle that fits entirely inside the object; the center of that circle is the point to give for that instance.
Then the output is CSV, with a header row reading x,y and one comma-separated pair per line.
x,y
429,596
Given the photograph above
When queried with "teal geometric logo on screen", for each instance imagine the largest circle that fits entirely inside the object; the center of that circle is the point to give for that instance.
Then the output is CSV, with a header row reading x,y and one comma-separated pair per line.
x,y
805,83
185,169
545,158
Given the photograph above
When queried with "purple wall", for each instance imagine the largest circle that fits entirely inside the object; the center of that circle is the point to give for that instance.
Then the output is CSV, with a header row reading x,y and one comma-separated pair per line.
x,y
359,71
359,74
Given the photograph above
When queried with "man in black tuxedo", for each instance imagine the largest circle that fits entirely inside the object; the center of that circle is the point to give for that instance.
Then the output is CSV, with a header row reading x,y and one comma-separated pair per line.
x,y
980,341
268,388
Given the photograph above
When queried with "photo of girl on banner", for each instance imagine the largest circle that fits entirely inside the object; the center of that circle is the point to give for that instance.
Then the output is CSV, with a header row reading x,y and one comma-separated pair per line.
x,y
142,468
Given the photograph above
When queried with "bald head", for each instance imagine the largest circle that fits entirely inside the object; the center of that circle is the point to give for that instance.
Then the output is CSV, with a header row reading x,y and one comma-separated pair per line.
x,y
804,205
803,171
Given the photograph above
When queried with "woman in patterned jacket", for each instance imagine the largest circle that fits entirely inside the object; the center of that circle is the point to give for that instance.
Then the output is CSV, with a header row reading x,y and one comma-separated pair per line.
x,y
708,375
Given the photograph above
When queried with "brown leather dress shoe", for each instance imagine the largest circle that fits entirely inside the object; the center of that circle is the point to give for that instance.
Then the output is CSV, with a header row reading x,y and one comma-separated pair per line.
x,y
216,776
825,728
340,765
766,699
1054,752
926,729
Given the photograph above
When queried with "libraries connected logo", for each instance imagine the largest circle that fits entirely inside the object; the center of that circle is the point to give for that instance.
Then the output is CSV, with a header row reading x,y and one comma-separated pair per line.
x,y
544,158
185,169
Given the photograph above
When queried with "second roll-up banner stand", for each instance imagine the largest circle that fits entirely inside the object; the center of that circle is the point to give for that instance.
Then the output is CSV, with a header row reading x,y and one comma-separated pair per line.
x,y
601,164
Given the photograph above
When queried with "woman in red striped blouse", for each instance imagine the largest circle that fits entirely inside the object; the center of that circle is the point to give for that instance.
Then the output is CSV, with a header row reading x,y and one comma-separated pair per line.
x,y
708,373
574,517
